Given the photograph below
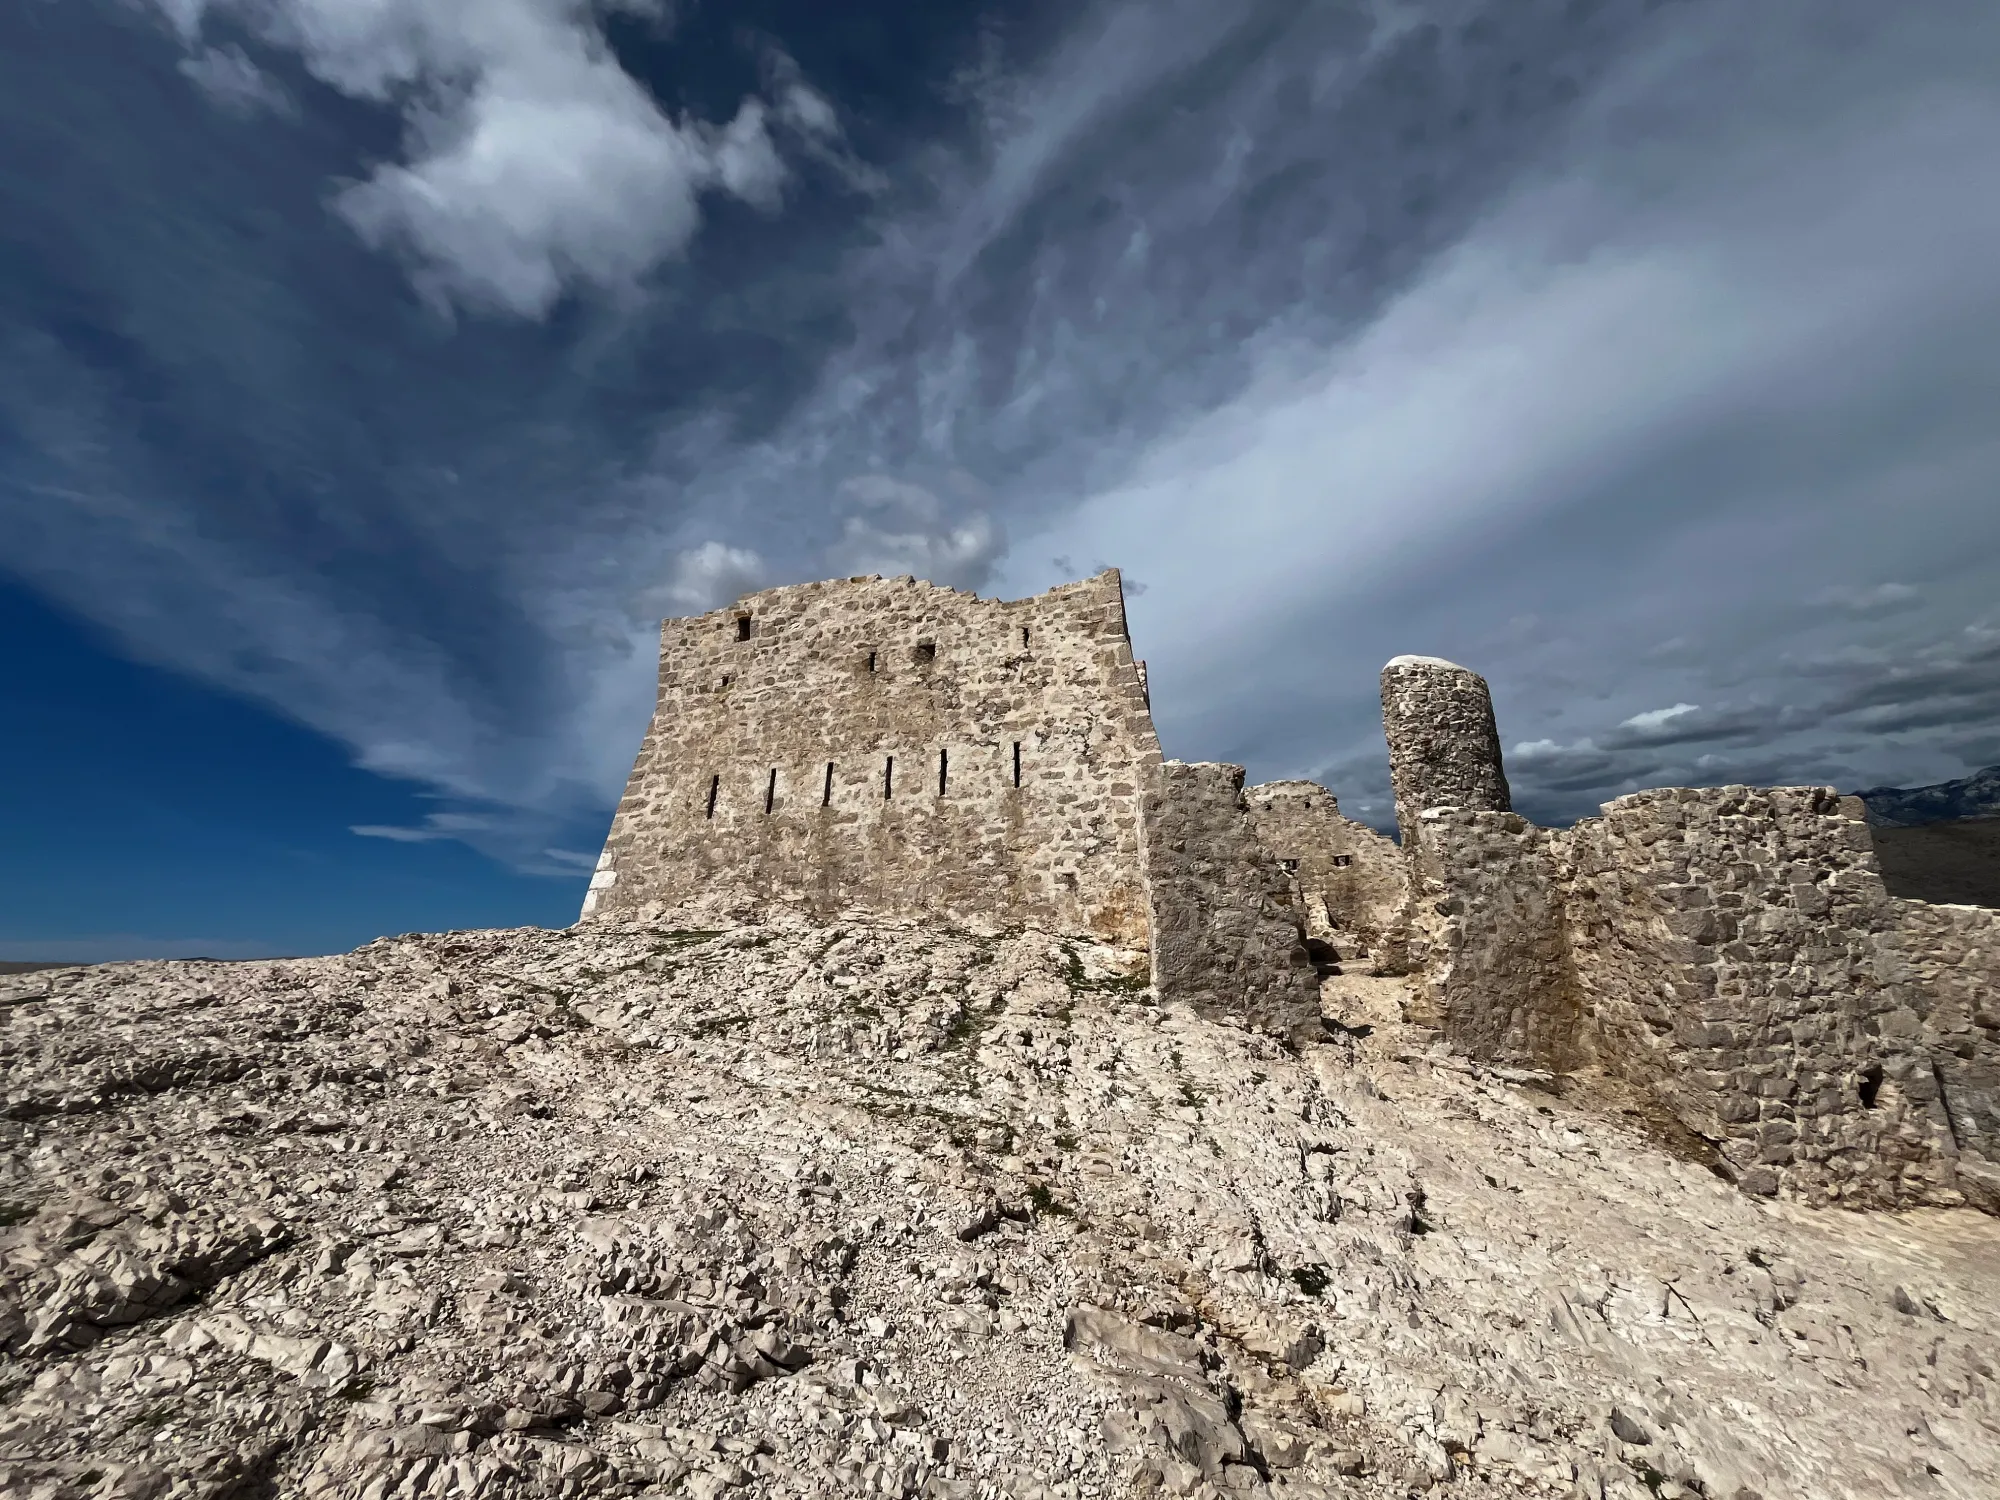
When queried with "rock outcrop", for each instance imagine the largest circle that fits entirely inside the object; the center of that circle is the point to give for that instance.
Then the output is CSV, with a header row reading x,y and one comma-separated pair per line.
x,y
881,1209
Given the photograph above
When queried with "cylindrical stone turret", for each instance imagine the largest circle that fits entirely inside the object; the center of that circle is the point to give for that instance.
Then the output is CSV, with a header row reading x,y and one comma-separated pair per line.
x,y
1444,748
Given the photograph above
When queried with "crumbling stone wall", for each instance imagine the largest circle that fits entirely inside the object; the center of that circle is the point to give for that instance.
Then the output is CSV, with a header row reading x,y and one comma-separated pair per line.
x,y
1732,950
1444,747
889,746
1347,880
1485,938
1481,924
1948,959
1226,938
1736,950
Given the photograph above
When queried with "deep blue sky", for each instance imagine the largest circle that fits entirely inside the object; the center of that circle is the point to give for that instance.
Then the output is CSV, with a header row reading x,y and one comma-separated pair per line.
x,y
375,378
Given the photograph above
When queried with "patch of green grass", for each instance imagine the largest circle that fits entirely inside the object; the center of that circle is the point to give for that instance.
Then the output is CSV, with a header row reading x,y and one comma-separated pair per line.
x,y
682,937
1066,1142
1191,1096
1081,983
969,1023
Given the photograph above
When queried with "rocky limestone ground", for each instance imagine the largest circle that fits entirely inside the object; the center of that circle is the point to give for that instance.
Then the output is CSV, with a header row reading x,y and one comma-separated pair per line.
x,y
895,1211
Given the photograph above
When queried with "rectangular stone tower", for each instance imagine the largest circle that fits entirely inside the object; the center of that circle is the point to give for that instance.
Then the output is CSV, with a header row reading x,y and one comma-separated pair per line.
x,y
891,747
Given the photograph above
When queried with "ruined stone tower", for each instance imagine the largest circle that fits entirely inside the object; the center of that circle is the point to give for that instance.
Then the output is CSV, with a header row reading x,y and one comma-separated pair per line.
x,y
1444,748
889,746
1731,951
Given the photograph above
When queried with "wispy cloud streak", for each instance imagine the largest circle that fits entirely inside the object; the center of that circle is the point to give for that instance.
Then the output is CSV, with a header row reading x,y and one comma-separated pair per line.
x,y
1627,353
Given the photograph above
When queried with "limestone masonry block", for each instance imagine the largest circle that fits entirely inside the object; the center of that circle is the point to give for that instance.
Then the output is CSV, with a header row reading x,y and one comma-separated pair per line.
x,y
1444,748
1226,937
1347,879
889,746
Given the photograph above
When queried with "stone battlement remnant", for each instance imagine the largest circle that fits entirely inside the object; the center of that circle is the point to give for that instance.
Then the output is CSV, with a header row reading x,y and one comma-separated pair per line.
x,y
886,745
877,747
1226,933
1347,878
1730,950
892,748
1444,746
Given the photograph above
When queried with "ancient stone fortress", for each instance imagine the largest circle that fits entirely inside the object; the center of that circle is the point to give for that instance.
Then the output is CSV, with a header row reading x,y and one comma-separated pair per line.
x,y
1730,950
939,1102
885,747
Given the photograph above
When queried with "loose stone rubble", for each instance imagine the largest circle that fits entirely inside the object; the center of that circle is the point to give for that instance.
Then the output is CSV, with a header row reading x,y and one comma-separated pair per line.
x,y
899,1210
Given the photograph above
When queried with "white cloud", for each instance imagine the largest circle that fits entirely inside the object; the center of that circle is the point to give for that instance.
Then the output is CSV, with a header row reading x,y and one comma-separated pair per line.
x,y
399,835
534,162
1530,751
905,528
233,81
1876,600
711,575
1653,718
1211,334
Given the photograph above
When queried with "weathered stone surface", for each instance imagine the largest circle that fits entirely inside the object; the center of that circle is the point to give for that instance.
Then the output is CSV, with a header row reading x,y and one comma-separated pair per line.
x,y
1732,951
888,746
1444,748
1736,951
1227,938
1347,879
626,1210
1486,940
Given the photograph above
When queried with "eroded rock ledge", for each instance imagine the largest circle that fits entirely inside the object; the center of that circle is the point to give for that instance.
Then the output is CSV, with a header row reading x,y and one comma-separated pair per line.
x,y
894,1210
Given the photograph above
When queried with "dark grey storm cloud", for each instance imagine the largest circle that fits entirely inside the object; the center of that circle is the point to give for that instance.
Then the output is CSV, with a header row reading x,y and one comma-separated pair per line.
x,y
406,362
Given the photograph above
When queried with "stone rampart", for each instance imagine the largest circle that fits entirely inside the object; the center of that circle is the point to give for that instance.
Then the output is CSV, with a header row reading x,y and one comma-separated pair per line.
x,y
1731,950
1736,952
888,746
1485,940
1226,937
1948,958
1347,878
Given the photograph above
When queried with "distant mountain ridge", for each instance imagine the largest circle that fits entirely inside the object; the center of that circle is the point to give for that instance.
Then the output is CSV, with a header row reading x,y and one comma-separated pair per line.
x,y
1974,796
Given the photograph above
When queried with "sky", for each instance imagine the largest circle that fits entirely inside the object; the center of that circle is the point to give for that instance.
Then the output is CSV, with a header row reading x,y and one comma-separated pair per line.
x,y
377,373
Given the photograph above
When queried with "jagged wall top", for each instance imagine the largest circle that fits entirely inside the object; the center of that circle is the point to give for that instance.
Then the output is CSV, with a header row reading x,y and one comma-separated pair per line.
x,y
891,746
1444,747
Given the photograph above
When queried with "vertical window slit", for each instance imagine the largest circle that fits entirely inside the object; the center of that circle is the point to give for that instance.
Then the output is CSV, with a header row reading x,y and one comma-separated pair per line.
x,y
771,790
888,777
826,797
871,661
742,627
1024,637
714,787
1017,763
942,762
